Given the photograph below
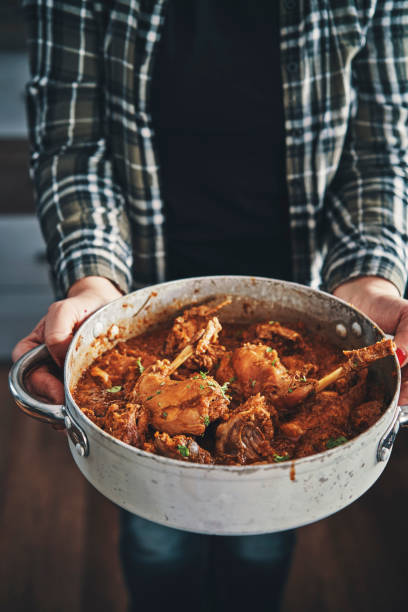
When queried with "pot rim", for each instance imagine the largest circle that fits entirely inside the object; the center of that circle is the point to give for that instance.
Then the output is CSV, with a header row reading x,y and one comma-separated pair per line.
x,y
284,465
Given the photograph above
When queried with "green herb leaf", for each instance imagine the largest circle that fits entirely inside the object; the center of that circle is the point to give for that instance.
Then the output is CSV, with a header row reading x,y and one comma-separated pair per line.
x,y
206,421
203,375
114,389
232,379
271,322
253,383
274,361
269,349
139,364
202,387
290,390
158,392
279,458
149,398
333,442
164,415
195,377
223,388
183,450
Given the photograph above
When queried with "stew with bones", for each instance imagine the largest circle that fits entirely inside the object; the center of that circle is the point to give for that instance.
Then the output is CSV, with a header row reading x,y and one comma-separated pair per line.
x,y
232,394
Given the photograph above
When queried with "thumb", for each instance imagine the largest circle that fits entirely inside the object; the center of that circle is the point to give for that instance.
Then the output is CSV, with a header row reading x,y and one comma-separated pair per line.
x,y
60,323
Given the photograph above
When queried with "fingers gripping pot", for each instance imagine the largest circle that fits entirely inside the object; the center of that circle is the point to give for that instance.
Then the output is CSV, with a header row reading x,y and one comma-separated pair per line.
x,y
221,499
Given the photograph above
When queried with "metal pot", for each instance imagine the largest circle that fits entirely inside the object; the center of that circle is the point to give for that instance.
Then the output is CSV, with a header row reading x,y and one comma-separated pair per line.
x,y
220,499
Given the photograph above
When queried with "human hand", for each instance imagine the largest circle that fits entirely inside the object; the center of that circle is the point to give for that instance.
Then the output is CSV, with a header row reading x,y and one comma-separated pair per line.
x,y
379,299
56,330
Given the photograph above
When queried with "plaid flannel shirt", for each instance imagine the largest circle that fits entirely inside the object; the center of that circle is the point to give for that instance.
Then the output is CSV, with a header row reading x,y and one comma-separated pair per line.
x,y
345,94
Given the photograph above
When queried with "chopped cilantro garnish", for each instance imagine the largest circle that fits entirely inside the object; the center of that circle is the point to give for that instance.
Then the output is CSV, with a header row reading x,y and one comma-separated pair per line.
x,y
202,387
272,322
139,364
278,458
183,450
290,390
164,415
211,383
114,389
203,375
223,388
149,398
333,442
158,392
188,386
195,377
206,421
253,383
269,349
274,361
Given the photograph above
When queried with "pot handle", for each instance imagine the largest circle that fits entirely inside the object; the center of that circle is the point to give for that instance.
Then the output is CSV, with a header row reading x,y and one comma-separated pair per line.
x,y
48,413
55,414
387,440
403,420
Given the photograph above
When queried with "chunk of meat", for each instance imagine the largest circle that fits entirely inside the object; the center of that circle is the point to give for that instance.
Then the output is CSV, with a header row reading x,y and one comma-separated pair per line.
x,y
128,424
327,419
323,417
285,340
245,437
258,369
299,367
180,406
360,358
225,371
181,447
101,375
208,350
325,410
345,378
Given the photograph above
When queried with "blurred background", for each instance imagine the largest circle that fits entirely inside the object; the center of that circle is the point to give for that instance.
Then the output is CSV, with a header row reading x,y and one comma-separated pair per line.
x,y
58,536
24,286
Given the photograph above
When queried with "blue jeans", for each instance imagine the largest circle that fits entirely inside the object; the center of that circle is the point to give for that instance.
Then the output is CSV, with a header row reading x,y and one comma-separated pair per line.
x,y
171,570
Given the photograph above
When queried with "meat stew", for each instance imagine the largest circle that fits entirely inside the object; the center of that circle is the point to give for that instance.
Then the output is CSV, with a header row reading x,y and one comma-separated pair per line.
x,y
233,394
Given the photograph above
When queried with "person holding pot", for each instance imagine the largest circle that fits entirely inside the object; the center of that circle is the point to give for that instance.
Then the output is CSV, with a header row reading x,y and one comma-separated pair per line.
x,y
173,138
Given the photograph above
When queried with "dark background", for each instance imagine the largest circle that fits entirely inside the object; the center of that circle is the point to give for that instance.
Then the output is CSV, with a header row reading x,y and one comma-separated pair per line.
x,y
58,536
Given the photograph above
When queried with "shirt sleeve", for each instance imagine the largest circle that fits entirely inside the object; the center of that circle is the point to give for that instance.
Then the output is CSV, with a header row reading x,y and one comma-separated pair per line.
x,y
79,204
367,202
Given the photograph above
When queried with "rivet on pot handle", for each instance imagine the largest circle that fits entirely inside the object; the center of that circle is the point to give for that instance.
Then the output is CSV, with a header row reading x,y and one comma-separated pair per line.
x,y
55,414
387,441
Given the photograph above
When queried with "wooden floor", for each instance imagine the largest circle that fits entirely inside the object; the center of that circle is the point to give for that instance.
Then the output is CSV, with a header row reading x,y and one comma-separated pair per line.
x,y
58,536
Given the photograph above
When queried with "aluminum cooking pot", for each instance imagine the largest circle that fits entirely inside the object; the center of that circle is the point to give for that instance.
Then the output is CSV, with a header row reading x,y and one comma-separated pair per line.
x,y
218,499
